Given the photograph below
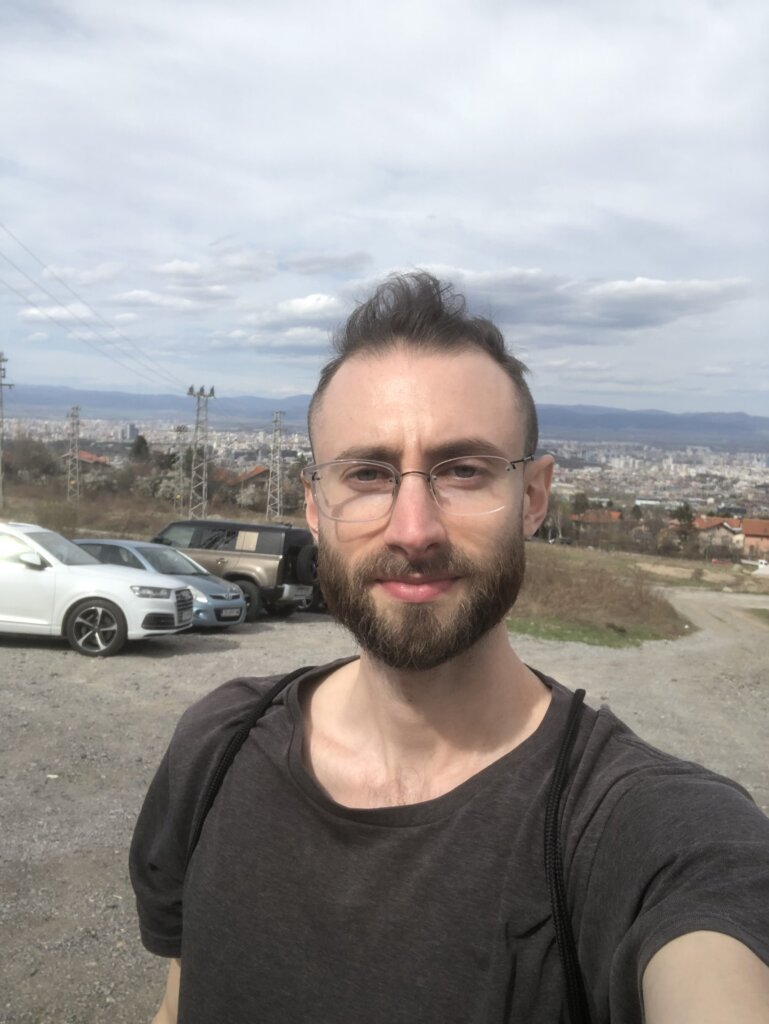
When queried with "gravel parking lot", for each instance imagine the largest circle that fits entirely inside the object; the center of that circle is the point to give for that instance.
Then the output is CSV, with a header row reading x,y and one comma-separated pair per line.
x,y
81,739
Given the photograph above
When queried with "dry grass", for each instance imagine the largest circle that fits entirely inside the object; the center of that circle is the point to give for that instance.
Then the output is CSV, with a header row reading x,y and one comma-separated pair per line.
x,y
581,596
108,515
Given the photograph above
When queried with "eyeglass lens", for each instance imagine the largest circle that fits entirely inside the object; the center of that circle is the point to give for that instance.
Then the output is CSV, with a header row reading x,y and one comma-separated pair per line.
x,y
361,491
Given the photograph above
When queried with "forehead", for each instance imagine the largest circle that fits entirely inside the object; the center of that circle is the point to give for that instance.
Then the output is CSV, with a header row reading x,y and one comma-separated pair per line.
x,y
410,403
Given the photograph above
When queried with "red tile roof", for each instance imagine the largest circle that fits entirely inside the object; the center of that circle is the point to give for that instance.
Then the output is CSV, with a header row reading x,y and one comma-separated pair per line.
x,y
598,516
710,522
755,527
91,459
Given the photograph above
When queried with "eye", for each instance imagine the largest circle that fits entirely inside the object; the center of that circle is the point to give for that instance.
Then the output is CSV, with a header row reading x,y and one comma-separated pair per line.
x,y
366,475
462,471
465,471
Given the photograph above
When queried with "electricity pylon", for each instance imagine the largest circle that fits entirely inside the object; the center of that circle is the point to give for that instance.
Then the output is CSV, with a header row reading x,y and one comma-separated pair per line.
x,y
3,385
199,471
275,475
73,455
179,488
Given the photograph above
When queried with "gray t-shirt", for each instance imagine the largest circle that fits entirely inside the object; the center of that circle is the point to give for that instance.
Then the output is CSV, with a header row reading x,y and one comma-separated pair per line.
x,y
297,909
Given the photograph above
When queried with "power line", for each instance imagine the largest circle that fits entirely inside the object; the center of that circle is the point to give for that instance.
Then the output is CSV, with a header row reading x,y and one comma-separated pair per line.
x,y
66,327
139,352
85,323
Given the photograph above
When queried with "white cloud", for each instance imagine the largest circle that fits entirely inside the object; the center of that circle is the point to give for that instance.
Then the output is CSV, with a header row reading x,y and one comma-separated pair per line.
x,y
80,277
145,297
180,268
310,306
64,314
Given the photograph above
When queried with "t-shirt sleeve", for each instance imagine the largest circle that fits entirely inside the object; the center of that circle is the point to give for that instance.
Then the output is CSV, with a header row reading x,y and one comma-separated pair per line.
x,y
680,852
156,865
159,849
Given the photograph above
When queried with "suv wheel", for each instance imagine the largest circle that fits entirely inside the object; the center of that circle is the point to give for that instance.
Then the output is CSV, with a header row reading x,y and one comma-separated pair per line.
x,y
253,598
96,628
307,564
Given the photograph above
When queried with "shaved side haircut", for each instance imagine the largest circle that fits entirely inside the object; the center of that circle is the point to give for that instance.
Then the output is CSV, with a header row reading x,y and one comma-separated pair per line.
x,y
417,311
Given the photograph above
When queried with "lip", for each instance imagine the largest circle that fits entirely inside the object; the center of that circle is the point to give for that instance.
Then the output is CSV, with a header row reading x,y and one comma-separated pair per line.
x,y
417,589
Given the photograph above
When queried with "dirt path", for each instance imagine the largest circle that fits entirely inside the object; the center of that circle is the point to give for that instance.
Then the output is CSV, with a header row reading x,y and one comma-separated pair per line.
x,y
80,739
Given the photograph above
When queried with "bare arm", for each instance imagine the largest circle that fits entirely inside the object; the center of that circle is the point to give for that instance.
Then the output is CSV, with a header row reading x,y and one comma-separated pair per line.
x,y
169,1008
706,978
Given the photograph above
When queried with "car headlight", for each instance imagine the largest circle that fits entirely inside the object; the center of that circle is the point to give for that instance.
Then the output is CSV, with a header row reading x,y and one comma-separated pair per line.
x,y
199,595
161,592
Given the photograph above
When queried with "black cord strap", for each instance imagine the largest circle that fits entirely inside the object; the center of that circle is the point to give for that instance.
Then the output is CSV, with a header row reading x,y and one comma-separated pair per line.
x,y
567,947
236,741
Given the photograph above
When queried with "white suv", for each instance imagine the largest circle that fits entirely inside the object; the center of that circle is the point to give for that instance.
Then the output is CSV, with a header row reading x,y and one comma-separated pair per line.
x,y
51,587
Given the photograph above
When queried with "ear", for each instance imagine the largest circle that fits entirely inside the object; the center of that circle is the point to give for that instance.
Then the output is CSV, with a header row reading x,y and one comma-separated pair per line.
x,y
537,480
310,510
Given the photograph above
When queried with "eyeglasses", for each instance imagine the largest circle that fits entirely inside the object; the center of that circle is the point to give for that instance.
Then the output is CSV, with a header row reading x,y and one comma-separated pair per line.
x,y
358,491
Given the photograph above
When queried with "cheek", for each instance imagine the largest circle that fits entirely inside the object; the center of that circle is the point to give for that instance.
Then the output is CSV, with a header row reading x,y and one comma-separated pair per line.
x,y
348,537
484,534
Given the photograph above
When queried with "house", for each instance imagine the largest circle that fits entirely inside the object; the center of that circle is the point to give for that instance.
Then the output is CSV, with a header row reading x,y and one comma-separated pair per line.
x,y
597,524
597,517
88,459
756,534
715,533
257,475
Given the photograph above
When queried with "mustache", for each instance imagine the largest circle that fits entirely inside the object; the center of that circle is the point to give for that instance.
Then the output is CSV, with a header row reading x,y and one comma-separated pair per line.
x,y
390,563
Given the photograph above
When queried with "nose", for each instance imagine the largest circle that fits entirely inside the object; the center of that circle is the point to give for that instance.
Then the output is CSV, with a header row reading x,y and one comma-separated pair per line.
x,y
416,524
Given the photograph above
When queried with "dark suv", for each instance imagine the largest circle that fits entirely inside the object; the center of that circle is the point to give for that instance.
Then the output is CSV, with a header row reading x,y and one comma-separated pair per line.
x,y
274,565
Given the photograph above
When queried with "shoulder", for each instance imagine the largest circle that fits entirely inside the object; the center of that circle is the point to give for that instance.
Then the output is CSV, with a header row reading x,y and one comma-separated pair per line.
x,y
207,726
221,711
621,778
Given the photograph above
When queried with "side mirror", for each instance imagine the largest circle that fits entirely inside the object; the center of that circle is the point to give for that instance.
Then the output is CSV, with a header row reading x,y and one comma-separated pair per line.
x,y
32,560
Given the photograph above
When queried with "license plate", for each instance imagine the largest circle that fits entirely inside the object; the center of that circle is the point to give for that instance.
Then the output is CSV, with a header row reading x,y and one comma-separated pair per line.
x,y
230,613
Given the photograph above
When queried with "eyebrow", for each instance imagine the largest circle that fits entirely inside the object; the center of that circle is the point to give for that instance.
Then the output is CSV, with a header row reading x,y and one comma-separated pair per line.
x,y
449,450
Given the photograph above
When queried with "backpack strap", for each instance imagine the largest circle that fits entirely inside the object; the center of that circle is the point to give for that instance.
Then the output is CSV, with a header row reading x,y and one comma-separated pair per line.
x,y
576,997
234,744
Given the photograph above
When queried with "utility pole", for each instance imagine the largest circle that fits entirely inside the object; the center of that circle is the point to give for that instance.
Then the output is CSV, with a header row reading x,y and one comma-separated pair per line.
x,y
73,455
275,476
3,385
180,430
199,472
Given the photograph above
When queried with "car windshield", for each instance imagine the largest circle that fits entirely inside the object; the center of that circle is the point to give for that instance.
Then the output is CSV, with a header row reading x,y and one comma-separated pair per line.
x,y
171,562
62,549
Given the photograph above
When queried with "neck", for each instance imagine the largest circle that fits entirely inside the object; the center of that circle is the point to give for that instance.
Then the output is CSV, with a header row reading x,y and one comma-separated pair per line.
x,y
438,727
473,701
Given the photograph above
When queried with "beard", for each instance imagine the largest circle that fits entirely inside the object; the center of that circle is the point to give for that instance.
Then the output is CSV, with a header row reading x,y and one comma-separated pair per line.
x,y
420,636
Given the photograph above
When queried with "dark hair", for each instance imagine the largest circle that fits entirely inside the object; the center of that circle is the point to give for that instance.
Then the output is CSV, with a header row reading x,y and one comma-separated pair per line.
x,y
417,310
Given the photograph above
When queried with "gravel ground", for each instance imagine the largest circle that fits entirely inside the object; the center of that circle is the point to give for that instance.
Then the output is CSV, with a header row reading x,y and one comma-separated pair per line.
x,y
81,739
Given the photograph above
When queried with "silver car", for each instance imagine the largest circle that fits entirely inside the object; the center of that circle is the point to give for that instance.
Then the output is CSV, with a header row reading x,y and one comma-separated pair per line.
x,y
216,603
51,587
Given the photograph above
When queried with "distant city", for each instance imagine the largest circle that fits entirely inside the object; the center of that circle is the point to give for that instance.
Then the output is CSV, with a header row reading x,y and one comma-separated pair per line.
x,y
712,478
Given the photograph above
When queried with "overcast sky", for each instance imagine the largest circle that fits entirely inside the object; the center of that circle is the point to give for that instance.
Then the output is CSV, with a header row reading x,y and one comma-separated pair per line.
x,y
218,183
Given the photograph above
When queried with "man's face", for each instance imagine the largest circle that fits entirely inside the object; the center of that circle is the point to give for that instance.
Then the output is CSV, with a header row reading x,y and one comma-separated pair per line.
x,y
421,586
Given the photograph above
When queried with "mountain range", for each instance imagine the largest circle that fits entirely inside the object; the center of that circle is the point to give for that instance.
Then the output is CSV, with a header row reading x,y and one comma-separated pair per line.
x,y
562,422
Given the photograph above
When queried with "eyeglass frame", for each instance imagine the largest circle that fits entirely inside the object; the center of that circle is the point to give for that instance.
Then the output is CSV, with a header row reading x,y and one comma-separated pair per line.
x,y
308,476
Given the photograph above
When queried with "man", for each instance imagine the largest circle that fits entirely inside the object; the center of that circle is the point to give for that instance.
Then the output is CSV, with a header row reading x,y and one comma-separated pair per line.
x,y
375,850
